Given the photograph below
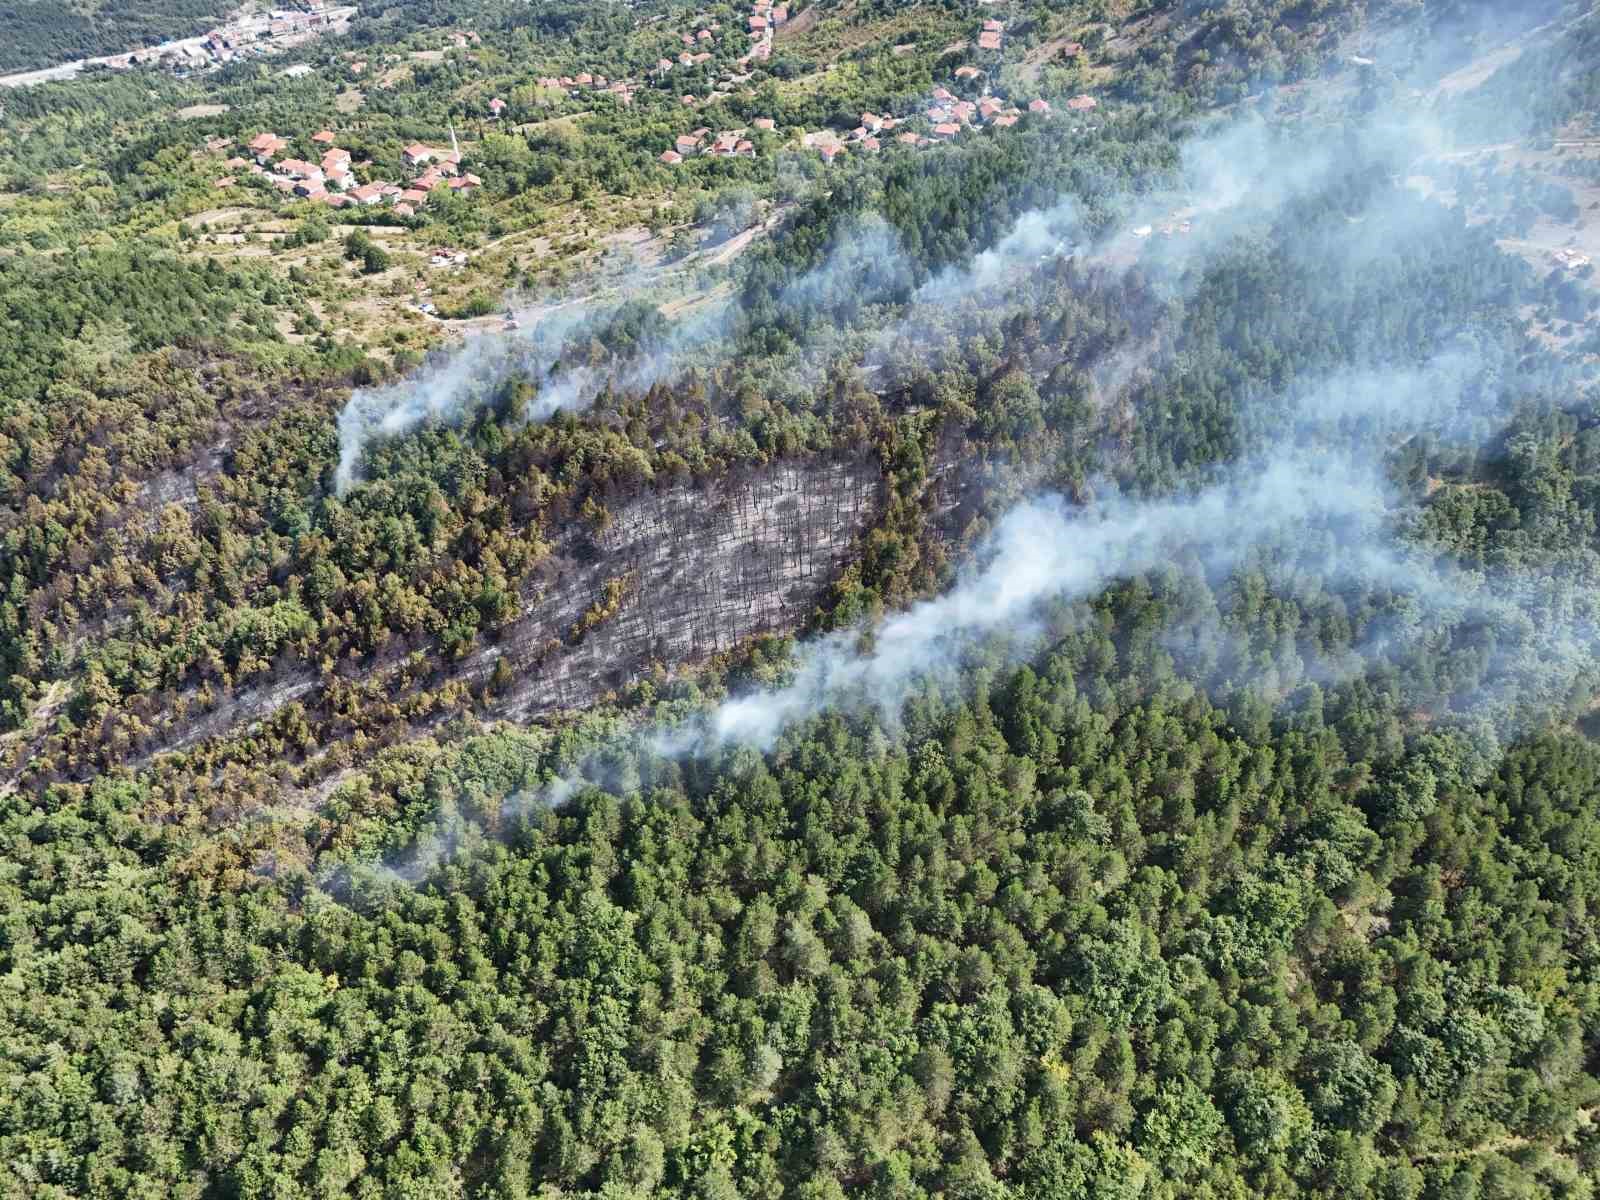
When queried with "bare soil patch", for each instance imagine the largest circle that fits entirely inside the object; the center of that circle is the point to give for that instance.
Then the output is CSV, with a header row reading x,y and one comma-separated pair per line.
x,y
799,24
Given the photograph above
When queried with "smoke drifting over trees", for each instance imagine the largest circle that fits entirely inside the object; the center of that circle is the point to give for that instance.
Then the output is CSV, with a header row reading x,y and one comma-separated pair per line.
x,y
1311,503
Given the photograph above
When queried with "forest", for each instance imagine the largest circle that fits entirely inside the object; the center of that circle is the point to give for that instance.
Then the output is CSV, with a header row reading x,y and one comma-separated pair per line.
x,y
1257,855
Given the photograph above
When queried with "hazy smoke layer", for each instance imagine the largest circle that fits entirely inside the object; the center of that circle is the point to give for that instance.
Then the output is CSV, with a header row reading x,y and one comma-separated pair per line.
x,y
454,383
1041,551
1230,177
867,261
1314,505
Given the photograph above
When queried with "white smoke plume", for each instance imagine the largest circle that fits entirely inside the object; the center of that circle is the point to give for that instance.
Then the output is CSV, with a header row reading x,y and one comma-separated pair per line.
x,y
453,383
1042,551
868,260
1315,501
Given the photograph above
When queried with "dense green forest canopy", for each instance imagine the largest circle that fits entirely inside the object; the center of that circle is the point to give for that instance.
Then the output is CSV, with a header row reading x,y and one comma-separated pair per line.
x,y
1261,859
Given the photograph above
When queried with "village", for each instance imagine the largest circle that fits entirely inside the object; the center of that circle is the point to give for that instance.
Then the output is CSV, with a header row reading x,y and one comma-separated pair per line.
x,y
942,118
332,180
946,116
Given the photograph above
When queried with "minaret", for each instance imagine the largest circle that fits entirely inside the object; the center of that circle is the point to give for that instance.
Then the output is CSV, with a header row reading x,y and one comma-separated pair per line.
x,y
454,148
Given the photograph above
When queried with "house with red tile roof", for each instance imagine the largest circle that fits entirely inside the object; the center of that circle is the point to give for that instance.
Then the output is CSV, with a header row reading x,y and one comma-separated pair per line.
x,y
268,146
1082,103
989,108
414,196
993,26
988,41
967,72
831,151
1006,121
497,106
1039,107
368,194
946,132
780,14
671,157
764,123
323,137
871,144
416,154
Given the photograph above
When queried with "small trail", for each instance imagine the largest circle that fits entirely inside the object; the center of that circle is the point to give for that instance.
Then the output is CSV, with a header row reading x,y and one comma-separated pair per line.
x,y
1500,1145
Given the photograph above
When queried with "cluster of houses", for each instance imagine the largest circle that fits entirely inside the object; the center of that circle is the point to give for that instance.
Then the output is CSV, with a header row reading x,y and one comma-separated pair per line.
x,y
730,143
285,27
697,50
947,116
689,58
622,89
765,19
248,35
332,181
991,39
